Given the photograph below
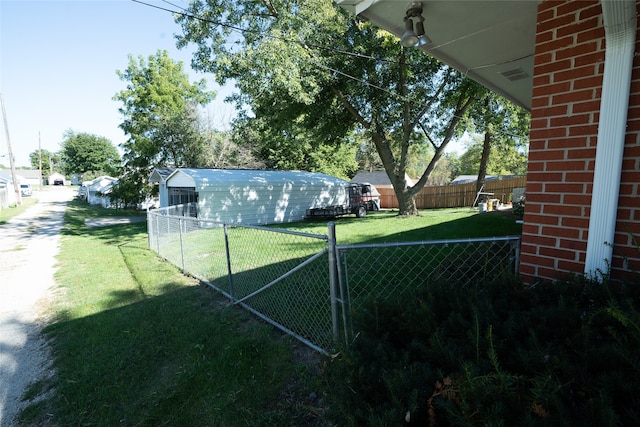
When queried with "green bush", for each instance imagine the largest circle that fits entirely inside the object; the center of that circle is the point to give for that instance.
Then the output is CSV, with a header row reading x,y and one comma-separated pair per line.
x,y
518,207
493,354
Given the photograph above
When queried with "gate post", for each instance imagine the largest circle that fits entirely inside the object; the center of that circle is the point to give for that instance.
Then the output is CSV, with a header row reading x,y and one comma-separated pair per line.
x,y
333,279
229,271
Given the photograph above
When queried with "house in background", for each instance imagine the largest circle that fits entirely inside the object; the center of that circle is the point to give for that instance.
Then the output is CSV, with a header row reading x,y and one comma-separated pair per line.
x,y
240,196
379,179
25,176
7,192
574,65
98,190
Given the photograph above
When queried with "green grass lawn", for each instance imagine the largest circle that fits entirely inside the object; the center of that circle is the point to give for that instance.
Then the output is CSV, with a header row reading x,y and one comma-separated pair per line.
x,y
135,342
10,212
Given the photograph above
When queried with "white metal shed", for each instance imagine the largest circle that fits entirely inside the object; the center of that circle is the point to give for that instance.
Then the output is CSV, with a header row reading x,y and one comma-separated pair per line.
x,y
252,196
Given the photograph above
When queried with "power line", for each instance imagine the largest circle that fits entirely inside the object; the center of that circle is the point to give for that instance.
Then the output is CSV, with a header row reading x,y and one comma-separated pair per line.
x,y
288,40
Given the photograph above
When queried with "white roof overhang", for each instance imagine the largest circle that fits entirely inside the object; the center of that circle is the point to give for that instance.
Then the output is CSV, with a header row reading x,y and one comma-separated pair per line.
x,y
491,42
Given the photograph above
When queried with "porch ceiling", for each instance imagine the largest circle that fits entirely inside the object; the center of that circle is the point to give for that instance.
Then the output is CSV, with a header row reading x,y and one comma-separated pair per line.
x,y
491,41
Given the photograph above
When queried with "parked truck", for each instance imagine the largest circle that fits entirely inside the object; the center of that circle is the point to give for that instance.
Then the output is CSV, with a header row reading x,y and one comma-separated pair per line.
x,y
361,201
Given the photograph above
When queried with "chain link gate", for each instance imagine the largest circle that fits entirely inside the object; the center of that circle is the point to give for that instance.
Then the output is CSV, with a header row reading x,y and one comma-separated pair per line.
x,y
379,272
307,285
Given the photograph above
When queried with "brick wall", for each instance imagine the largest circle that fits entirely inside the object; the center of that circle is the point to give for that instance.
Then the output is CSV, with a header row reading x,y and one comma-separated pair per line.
x,y
569,62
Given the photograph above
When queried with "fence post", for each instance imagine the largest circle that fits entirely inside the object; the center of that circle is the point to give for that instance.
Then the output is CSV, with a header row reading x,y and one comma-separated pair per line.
x,y
226,247
149,228
333,279
181,221
157,232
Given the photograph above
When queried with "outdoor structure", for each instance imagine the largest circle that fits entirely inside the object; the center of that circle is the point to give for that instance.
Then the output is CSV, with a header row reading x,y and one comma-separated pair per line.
x,y
25,176
573,64
379,179
98,190
240,196
56,179
7,193
159,176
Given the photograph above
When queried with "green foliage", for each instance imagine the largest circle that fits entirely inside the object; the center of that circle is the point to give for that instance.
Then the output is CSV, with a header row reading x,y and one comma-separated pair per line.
x,y
500,353
518,207
507,157
310,76
160,119
50,161
292,147
83,153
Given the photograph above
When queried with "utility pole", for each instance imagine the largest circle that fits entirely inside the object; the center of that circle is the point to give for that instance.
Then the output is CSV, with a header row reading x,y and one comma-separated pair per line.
x,y
16,184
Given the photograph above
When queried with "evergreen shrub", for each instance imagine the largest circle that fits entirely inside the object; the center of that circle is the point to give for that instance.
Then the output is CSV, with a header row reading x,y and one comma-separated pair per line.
x,y
502,354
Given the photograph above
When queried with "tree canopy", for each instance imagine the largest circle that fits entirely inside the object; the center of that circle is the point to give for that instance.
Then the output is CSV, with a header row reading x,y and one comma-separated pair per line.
x,y
50,161
159,107
307,71
84,153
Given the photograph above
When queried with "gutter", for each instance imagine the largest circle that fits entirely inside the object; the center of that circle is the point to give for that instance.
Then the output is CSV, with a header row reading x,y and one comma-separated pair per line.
x,y
620,25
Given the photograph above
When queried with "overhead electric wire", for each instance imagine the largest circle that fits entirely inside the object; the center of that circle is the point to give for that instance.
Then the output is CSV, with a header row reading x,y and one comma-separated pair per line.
x,y
186,14
299,42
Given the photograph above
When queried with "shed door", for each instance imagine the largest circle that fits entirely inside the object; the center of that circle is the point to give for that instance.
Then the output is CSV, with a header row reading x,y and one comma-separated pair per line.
x,y
182,195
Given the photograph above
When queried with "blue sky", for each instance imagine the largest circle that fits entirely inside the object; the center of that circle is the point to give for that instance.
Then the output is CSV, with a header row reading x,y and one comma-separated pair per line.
x,y
58,62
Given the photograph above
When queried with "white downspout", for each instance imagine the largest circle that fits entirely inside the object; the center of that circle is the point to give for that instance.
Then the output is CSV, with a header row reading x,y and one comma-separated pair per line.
x,y
620,32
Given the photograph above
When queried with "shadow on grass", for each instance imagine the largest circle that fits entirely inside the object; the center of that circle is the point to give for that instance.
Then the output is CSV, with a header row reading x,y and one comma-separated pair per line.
x,y
479,225
181,358
78,211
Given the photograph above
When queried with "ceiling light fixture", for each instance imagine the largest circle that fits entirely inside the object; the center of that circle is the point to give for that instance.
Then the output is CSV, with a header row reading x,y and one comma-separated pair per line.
x,y
414,37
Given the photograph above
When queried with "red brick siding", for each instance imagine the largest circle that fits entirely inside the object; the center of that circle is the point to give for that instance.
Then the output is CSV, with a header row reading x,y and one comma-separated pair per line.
x,y
568,67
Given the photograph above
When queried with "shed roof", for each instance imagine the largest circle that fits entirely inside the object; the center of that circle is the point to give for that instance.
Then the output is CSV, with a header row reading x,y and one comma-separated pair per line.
x,y
203,178
161,174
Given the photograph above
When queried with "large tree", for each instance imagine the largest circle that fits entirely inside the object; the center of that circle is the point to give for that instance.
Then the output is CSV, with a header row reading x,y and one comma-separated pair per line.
x,y
505,129
160,119
50,161
308,65
87,155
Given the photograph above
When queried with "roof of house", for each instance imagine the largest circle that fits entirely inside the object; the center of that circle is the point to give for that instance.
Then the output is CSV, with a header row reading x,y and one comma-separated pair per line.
x,y
22,173
378,178
464,179
491,42
161,174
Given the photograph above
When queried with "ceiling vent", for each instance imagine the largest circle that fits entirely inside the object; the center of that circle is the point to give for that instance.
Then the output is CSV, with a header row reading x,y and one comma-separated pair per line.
x,y
515,74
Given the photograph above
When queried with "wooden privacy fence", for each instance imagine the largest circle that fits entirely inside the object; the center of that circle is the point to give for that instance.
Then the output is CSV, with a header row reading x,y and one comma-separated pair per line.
x,y
456,195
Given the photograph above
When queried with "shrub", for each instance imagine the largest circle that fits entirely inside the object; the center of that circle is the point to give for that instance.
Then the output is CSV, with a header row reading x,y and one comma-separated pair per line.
x,y
493,354
518,207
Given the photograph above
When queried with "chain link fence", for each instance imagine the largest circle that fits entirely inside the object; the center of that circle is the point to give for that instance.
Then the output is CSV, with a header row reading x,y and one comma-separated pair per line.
x,y
307,285
380,272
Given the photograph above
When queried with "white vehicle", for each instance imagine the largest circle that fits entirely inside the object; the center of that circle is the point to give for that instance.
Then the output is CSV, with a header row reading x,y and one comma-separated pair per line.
x,y
25,190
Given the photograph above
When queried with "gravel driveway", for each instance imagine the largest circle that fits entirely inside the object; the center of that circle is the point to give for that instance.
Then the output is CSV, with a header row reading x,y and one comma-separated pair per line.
x,y
28,246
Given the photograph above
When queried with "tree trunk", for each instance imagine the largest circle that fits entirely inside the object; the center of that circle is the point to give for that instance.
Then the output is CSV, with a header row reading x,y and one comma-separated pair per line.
x,y
484,160
406,203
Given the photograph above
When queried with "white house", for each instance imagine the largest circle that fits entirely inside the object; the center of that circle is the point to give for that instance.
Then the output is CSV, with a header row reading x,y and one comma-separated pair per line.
x,y
98,190
249,196
8,195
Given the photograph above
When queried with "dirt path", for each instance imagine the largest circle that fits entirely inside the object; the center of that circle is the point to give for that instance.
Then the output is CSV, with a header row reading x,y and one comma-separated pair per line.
x,y
28,246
